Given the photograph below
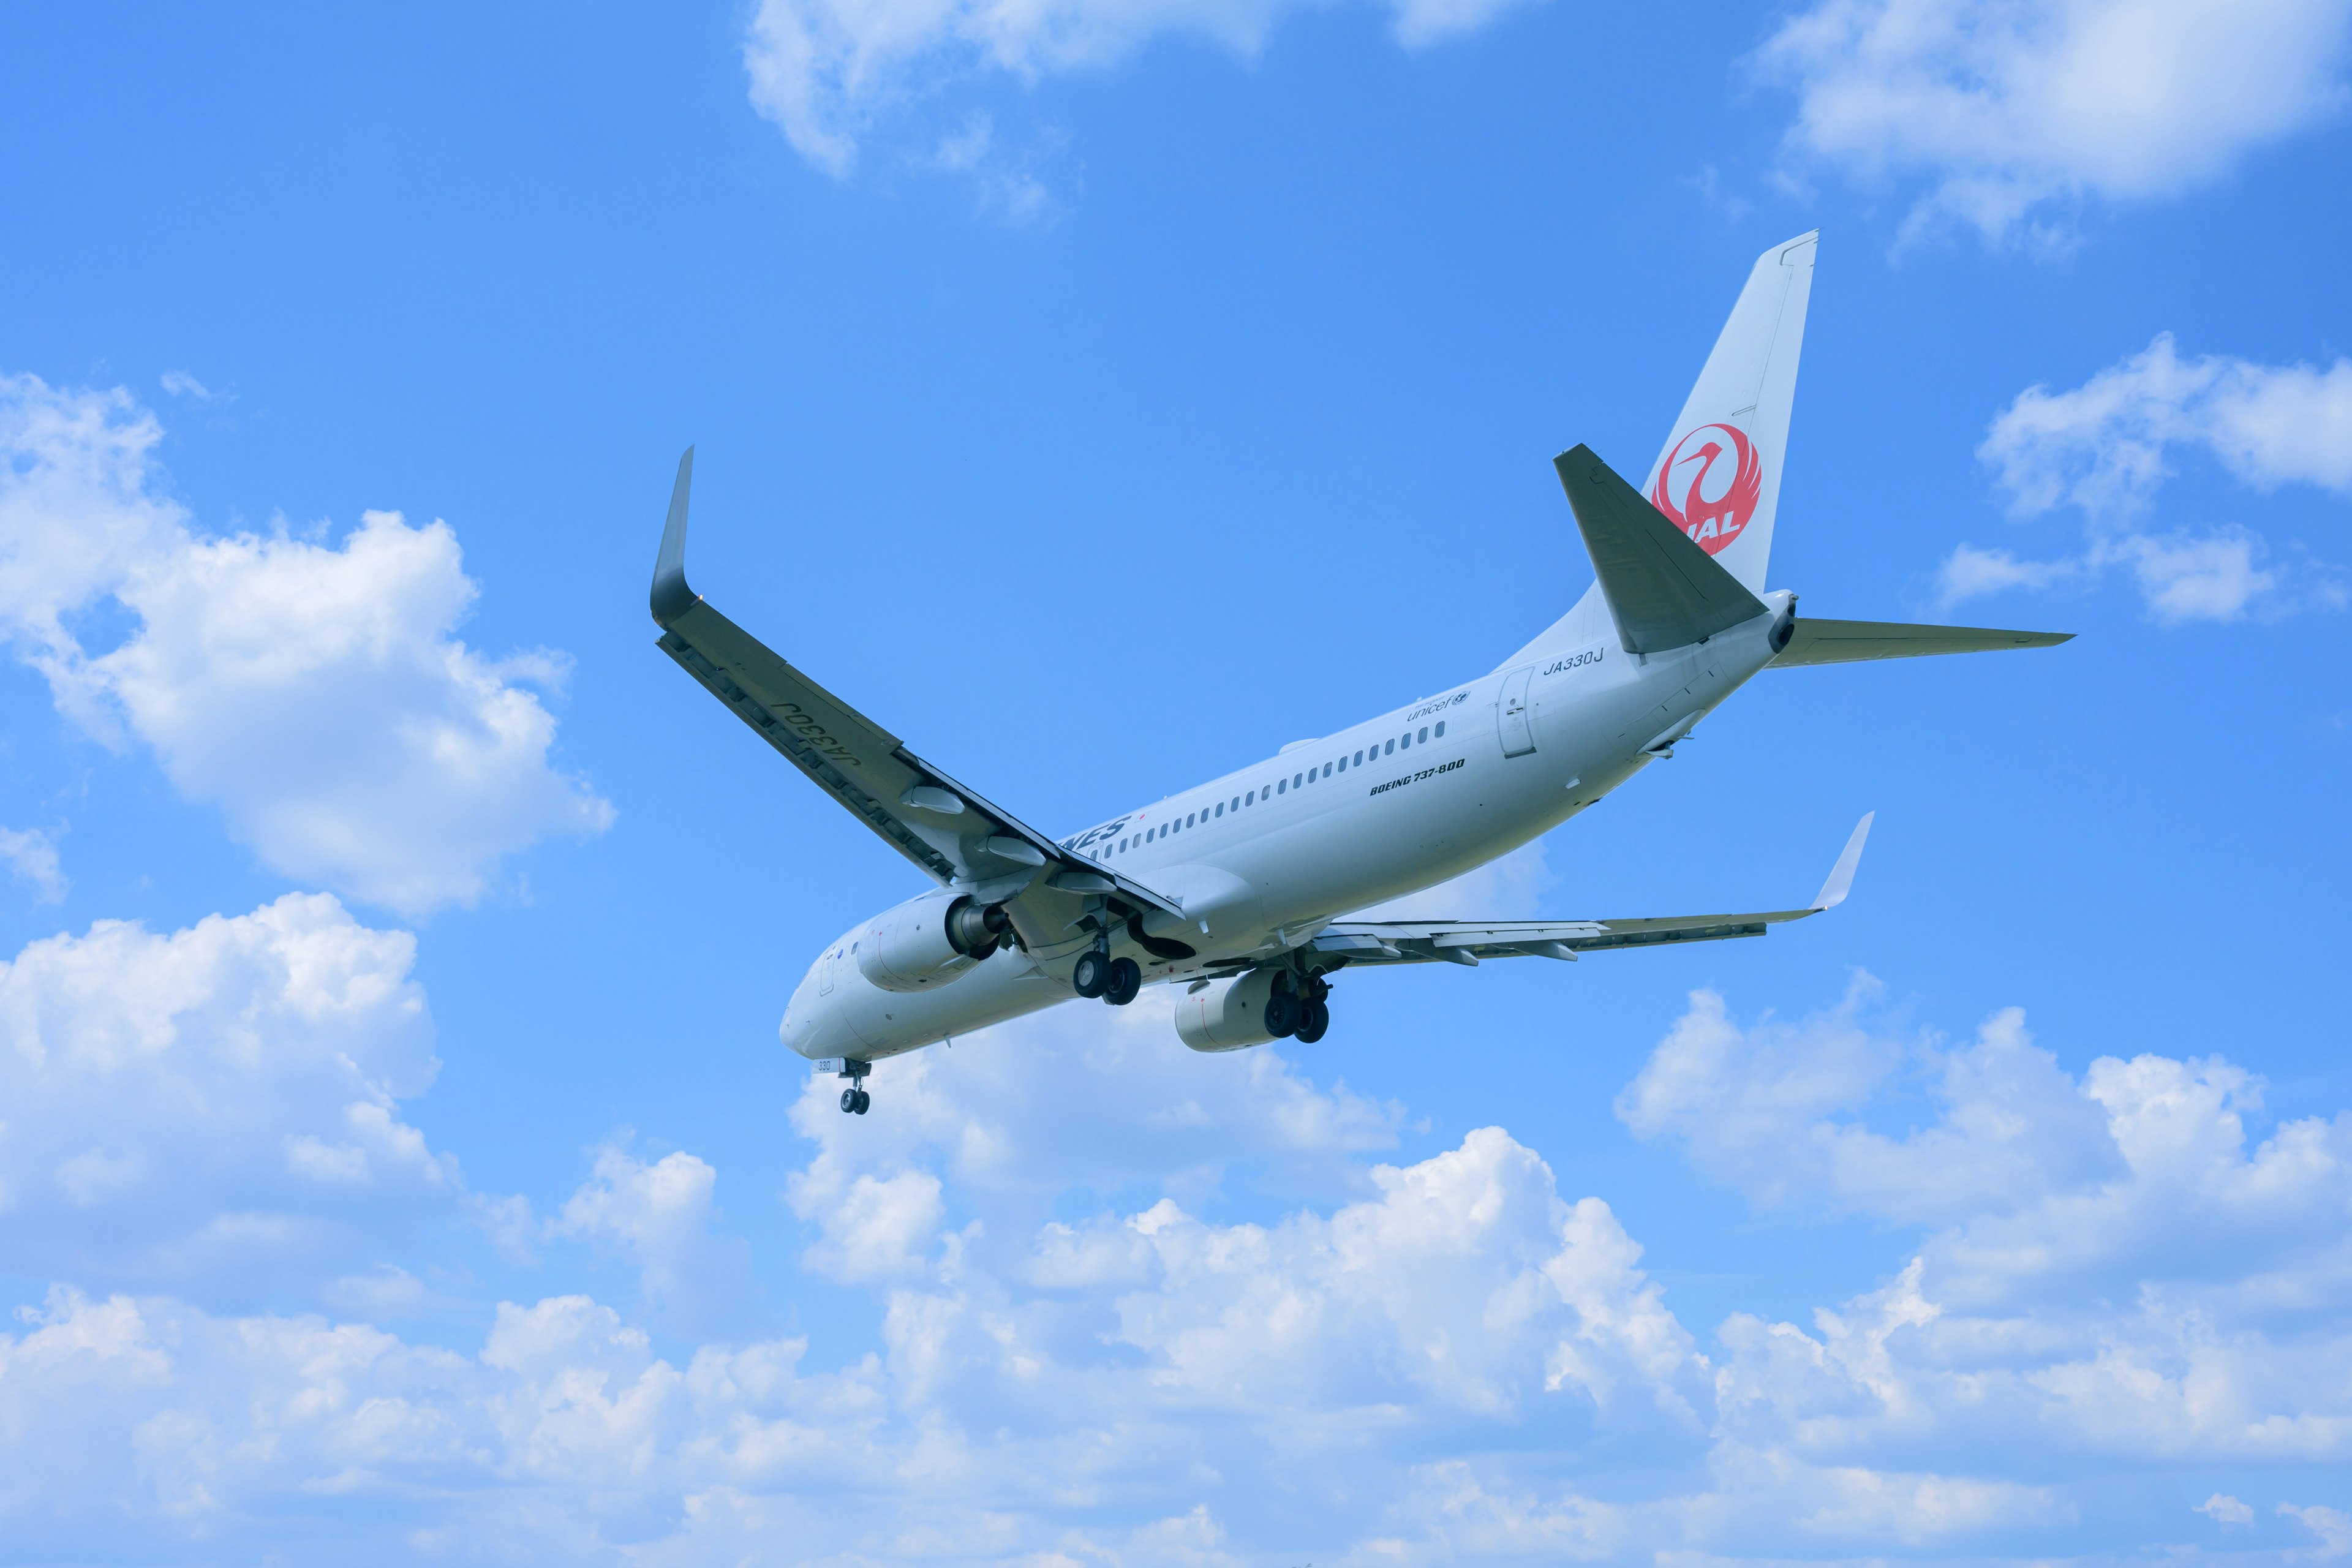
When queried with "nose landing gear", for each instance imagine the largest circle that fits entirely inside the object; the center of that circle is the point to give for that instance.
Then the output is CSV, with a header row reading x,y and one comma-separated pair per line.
x,y
854,1100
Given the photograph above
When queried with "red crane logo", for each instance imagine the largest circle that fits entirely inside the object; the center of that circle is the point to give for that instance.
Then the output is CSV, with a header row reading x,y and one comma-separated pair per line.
x,y
1709,499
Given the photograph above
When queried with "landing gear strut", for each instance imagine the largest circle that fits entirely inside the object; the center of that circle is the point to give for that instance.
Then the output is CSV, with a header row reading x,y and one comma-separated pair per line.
x,y
1299,1008
1115,979
855,1099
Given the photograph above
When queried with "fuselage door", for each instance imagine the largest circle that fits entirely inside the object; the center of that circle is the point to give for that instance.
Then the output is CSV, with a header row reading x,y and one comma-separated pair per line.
x,y
824,975
1511,719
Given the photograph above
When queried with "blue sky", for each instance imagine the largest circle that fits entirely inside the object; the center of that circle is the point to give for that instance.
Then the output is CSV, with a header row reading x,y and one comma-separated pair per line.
x,y
397,1159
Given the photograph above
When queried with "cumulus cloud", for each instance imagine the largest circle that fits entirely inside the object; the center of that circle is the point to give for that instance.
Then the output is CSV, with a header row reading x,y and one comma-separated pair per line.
x,y
2014,112
2116,1264
1777,1109
313,693
661,1217
219,1099
829,73
2108,447
997,1422
1056,1348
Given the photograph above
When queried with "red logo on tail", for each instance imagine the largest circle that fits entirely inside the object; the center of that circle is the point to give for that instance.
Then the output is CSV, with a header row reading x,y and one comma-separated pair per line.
x,y
1707,499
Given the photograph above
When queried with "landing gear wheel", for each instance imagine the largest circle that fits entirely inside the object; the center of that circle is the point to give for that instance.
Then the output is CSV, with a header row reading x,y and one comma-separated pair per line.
x,y
1126,980
1091,976
1314,1018
856,1100
1282,1015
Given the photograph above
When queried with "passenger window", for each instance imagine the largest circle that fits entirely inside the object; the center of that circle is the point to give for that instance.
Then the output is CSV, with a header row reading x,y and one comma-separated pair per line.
x,y
1424,734
1343,765
1187,821
1441,729
1360,759
1326,769
1221,808
1390,747
1250,799
1405,739
1282,786
1297,779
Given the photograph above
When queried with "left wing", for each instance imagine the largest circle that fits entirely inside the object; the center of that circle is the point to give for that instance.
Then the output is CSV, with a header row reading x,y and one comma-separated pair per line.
x,y
949,831
1468,941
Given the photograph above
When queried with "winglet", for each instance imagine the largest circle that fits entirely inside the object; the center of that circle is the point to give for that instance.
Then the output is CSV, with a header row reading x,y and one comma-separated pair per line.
x,y
1834,891
672,598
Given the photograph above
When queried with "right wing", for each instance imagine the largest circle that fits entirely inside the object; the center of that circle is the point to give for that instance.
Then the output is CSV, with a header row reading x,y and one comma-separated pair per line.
x,y
956,836
1468,941
1846,642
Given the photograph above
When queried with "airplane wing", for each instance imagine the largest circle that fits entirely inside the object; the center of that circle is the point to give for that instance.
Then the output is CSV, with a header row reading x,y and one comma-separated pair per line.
x,y
1468,941
954,835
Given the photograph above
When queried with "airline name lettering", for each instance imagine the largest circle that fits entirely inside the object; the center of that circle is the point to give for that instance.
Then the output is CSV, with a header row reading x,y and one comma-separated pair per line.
x,y
1094,835
1416,778
1443,702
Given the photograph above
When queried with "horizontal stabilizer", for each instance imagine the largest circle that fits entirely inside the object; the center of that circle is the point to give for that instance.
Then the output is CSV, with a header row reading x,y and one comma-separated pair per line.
x,y
1845,642
1664,591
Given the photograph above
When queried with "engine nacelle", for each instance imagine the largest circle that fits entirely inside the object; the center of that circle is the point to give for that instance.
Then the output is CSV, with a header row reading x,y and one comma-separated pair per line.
x,y
1227,1014
929,942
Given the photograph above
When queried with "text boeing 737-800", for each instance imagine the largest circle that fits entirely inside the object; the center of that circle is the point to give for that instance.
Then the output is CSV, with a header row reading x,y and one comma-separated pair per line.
x,y
1238,890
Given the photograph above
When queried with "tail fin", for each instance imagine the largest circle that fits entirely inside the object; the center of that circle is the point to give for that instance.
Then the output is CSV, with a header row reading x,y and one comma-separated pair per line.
x,y
1718,478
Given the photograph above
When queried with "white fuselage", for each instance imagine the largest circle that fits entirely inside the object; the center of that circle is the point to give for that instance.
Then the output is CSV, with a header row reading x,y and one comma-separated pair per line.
x,y
1268,854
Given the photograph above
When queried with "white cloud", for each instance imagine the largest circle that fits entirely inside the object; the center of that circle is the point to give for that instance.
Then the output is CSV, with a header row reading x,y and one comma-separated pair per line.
x,y
1776,1109
2223,1508
829,73
314,694
1054,1348
2006,110
660,1216
219,1099
2104,445
31,853
2333,1526
2106,448
180,383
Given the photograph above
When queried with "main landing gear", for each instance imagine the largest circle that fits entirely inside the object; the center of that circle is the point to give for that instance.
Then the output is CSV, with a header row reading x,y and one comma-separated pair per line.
x,y
855,1099
1300,1009
1115,979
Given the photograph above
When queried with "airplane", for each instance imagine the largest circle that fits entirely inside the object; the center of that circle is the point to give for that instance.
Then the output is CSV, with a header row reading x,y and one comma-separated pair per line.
x,y
1240,892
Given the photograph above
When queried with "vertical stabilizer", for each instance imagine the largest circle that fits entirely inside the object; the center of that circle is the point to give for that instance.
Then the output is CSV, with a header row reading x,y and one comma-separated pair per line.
x,y
1718,478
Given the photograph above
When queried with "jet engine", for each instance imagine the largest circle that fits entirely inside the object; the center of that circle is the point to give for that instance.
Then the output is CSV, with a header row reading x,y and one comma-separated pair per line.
x,y
924,945
1227,1014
